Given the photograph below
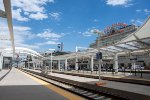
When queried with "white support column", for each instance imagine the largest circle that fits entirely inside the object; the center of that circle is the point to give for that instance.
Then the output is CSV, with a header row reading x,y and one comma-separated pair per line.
x,y
76,60
37,65
33,65
116,62
92,63
40,64
66,64
133,64
59,65
132,59
33,62
1,62
76,64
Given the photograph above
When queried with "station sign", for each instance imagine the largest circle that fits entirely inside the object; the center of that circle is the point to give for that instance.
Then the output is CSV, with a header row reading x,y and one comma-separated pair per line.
x,y
99,55
118,28
115,26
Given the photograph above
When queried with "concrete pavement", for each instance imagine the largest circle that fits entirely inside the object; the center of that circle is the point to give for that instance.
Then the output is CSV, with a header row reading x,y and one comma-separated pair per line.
x,y
18,86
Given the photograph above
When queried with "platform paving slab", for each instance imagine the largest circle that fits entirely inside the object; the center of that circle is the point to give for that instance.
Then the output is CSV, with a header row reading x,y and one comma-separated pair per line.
x,y
3,72
18,86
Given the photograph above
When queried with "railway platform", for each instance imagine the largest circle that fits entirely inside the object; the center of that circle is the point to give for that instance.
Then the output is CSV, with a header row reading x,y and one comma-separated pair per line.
x,y
128,76
3,73
124,87
21,85
18,85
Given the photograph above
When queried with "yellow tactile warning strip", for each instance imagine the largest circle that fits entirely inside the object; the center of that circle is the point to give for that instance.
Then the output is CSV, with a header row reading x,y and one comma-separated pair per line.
x,y
58,90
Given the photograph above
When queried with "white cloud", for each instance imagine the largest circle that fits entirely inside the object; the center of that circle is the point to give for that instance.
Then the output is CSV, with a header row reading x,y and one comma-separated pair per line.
x,y
87,33
32,6
1,5
128,5
55,39
48,34
21,35
48,43
137,22
146,11
24,9
27,45
38,16
21,28
96,20
51,36
125,3
52,42
16,14
138,10
55,15
26,13
79,32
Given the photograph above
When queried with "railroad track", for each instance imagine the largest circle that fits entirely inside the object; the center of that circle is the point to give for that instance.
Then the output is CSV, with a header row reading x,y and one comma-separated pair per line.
x,y
85,93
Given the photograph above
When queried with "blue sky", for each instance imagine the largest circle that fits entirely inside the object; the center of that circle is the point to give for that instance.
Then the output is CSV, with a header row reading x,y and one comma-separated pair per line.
x,y
42,24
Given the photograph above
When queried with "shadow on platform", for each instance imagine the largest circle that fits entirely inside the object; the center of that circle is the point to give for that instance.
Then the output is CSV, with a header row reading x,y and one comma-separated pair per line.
x,y
28,92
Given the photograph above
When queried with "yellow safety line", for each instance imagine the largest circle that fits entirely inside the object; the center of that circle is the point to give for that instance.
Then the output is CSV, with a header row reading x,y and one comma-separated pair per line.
x,y
58,90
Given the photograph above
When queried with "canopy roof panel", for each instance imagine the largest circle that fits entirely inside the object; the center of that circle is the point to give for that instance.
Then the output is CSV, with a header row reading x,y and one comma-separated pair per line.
x,y
19,50
142,33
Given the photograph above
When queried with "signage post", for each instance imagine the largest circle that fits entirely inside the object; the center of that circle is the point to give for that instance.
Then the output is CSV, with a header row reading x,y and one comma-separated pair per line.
x,y
99,58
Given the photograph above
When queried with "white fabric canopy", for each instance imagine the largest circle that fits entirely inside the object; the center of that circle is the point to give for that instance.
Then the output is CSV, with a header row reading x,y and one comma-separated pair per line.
x,y
22,50
142,33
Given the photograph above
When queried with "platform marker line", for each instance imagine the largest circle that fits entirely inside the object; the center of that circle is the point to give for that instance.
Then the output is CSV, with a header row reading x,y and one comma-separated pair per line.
x,y
58,90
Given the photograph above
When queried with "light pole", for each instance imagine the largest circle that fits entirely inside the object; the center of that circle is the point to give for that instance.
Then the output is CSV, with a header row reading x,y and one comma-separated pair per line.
x,y
96,31
51,58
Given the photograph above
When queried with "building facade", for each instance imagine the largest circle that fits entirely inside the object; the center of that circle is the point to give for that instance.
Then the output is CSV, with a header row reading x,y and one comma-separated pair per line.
x,y
114,34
